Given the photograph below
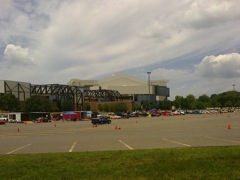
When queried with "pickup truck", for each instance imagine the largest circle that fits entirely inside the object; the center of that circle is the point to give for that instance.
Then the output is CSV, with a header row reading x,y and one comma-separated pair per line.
x,y
101,120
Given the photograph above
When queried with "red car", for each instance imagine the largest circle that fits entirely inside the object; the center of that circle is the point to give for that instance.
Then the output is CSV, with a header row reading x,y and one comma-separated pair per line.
x,y
166,113
2,121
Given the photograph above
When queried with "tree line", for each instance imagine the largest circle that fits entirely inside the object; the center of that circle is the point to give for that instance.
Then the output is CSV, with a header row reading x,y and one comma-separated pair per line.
x,y
190,102
8,102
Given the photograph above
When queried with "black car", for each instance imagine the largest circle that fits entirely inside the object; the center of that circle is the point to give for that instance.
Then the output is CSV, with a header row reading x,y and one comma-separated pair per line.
x,y
101,120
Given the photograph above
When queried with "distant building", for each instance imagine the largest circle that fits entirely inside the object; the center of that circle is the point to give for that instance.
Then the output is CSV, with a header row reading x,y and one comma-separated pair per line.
x,y
115,88
21,90
129,87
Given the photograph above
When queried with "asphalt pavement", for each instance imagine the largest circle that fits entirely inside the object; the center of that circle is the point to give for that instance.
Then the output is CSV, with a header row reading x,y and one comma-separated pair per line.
x,y
185,131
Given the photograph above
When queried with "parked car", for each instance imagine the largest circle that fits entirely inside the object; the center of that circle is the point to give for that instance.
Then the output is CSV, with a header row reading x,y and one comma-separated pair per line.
x,y
115,117
175,113
42,119
156,113
125,115
133,114
101,120
181,112
166,113
2,121
5,118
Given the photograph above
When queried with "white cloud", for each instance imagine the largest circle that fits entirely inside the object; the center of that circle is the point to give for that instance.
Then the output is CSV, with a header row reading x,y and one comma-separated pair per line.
x,y
205,14
223,66
16,55
60,40
214,74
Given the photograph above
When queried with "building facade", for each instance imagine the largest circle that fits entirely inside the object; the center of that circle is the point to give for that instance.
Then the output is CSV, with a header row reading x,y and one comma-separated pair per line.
x,y
129,87
115,88
21,90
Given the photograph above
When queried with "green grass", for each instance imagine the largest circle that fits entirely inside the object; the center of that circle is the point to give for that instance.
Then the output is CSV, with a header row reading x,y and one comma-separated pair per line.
x,y
186,163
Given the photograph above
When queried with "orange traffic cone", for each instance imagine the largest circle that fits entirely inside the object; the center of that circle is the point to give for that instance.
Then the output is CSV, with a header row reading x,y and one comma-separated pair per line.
x,y
18,130
116,127
229,127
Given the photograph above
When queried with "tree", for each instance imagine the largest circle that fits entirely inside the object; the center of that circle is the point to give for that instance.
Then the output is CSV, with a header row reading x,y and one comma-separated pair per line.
x,y
178,102
153,105
190,101
86,106
120,107
200,105
46,106
203,102
33,104
105,107
214,101
37,104
144,104
228,104
67,105
100,107
8,102
204,98
111,107
165,105
136,106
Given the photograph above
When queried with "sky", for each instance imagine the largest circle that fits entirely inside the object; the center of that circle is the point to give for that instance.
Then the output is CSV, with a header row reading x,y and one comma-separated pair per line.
x,y
194,45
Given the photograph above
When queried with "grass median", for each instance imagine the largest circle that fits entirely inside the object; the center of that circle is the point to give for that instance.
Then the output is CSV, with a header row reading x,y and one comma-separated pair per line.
x,y
184,163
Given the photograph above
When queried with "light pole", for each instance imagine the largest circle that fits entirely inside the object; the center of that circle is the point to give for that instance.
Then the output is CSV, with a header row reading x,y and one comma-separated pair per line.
x,y
234,96
149,90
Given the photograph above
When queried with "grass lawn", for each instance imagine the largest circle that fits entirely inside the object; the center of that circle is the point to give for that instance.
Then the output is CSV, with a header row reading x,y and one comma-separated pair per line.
x,y
185,163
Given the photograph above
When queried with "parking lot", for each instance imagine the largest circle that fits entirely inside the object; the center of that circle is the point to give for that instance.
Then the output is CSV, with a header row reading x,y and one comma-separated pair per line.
x,y
134,133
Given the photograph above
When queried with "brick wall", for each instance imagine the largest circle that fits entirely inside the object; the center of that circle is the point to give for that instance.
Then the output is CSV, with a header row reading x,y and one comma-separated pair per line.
x,y
94,105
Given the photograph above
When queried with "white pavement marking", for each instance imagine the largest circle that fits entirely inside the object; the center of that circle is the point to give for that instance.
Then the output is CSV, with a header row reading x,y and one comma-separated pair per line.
x,y
125,144
71,149
176,142
227,140
18,149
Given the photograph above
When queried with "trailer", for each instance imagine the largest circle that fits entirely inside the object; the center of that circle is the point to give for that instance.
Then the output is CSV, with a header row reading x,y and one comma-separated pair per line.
x,y
18,117
72,115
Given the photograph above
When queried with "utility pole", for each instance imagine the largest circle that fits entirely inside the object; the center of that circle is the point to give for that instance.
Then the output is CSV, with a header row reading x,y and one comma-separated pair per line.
x,y
233,96
149,90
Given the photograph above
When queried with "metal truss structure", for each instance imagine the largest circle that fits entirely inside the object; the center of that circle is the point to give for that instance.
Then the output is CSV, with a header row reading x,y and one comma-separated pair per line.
x,y
19,89
103,95
60,93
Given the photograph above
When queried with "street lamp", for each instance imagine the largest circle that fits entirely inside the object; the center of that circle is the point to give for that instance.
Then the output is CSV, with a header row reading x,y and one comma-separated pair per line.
x,y
149,90
234,96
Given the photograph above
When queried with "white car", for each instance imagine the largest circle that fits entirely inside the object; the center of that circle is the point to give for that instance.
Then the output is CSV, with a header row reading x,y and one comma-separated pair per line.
x,y
115,117
5,118
182,112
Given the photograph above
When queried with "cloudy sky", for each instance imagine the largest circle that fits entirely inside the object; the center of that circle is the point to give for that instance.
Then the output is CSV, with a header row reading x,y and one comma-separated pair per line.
x,y
195,45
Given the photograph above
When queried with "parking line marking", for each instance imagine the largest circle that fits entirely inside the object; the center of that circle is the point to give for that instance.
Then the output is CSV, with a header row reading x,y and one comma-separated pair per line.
x,y
71,149
227,140
129,147
176,142
18,149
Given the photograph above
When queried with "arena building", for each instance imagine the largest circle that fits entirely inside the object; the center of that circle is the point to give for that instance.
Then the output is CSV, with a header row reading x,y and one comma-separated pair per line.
x,y
115,88
129,87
